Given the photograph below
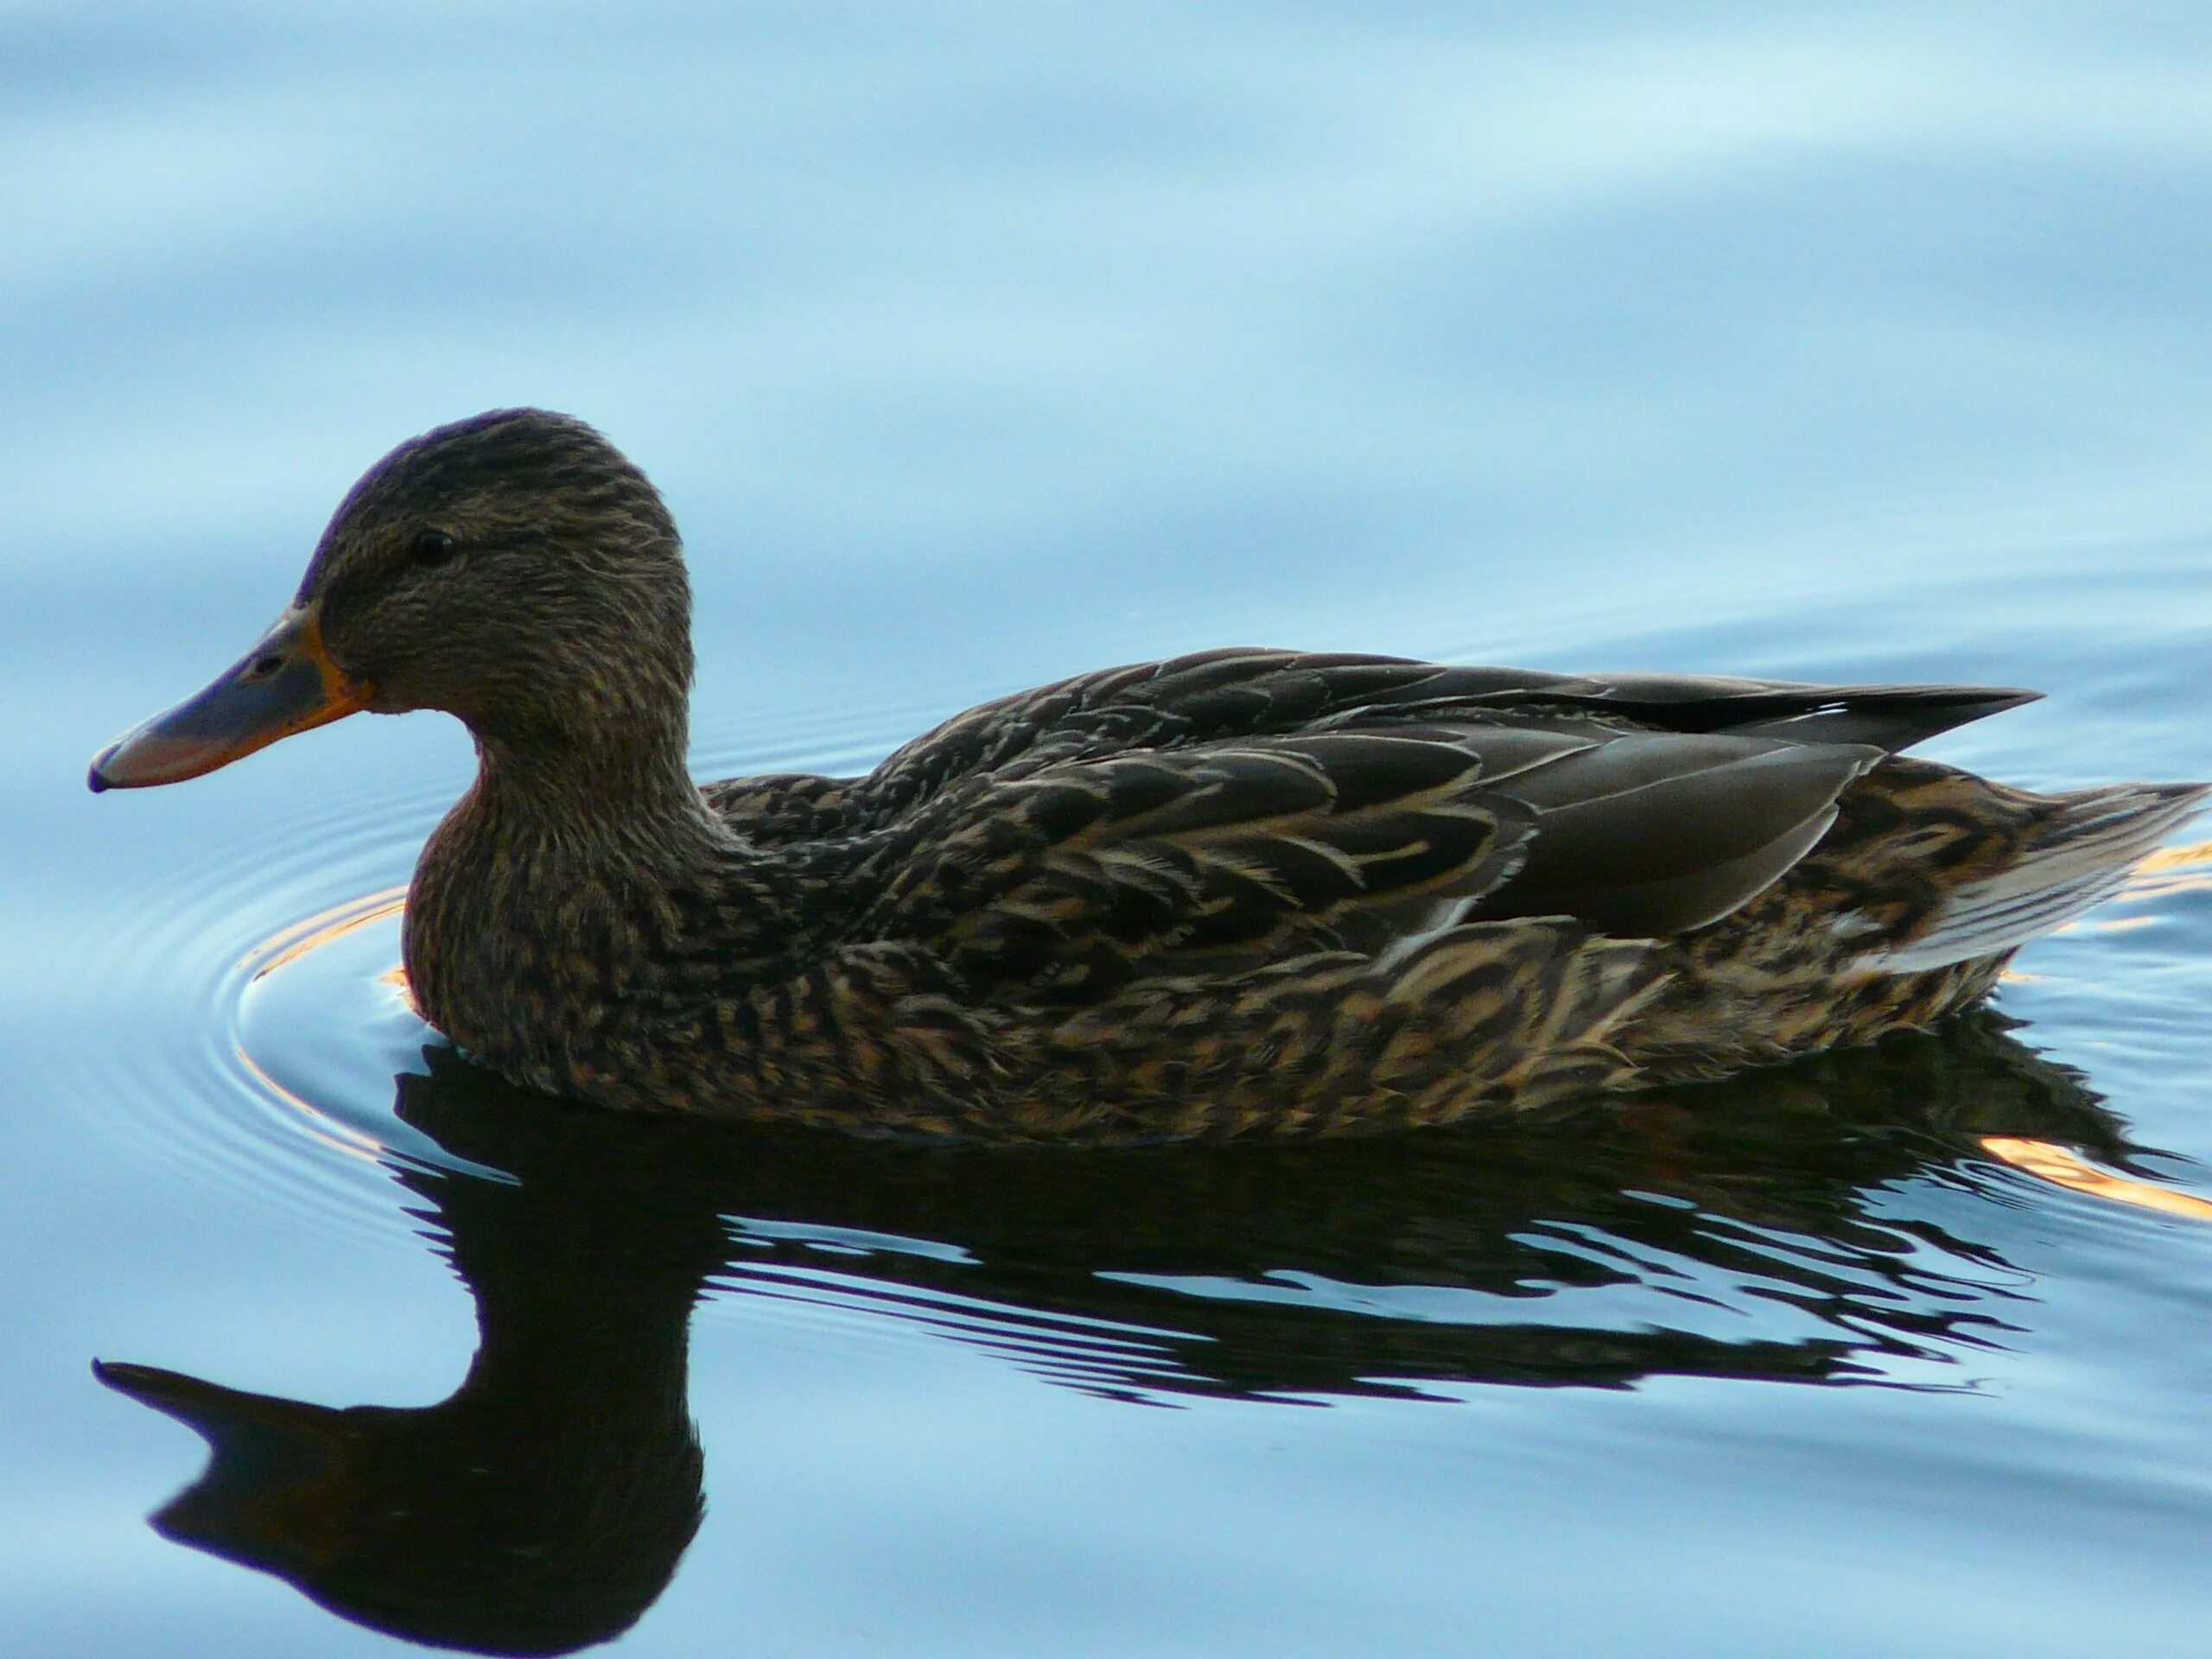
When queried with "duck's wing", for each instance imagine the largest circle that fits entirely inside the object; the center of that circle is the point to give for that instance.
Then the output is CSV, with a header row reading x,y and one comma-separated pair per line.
x,y
1072,875
1254,693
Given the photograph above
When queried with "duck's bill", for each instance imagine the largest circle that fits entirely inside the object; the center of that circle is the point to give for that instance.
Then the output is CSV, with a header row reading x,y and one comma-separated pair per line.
x,y
286,684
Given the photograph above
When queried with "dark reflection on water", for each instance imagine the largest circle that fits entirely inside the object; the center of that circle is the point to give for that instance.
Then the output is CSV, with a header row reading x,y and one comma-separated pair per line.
x,y
546,1503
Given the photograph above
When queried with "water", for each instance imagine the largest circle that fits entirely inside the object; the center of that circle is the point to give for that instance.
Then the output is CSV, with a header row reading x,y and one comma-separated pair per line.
x,y
979,344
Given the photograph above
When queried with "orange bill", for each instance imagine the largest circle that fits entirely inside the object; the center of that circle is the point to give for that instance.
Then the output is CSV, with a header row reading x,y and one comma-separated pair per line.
x,y
286,684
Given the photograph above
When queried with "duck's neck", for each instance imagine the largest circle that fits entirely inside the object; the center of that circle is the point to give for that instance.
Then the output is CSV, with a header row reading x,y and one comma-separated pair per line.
x,y
628,807
566,882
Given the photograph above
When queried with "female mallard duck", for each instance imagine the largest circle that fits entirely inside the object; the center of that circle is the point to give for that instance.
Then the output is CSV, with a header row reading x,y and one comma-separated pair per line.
x,y
1242,890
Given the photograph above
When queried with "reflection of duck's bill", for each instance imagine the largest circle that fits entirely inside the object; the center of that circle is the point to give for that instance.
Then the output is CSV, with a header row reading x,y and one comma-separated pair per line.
x,y
218,1416
150,1385
2062,1168
266,1496
286,684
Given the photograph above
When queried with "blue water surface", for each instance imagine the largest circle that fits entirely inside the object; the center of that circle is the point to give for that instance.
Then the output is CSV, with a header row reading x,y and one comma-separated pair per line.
x,y
976,344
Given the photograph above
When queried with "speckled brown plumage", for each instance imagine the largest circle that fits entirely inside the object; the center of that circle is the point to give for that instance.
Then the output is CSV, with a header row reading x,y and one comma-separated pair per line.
x,y
1235,893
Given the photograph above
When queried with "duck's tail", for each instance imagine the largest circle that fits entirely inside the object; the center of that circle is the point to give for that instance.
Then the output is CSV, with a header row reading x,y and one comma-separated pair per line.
x,y
2075,855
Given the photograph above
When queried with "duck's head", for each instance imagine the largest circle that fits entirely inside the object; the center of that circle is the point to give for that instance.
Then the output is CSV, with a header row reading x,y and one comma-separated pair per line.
x,y
514,570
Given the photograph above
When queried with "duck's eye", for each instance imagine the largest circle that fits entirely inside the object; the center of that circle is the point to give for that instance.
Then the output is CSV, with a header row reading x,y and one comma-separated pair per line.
x,y
430,547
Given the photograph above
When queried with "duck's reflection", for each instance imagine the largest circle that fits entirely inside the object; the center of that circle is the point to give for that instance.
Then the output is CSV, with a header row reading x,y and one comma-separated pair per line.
x,y
546,1503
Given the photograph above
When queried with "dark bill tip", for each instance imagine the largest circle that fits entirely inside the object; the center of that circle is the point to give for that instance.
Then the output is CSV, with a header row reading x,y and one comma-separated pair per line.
x,y
123,1377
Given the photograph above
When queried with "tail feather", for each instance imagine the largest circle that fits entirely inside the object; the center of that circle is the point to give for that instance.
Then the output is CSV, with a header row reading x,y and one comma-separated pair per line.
x,y
2076,857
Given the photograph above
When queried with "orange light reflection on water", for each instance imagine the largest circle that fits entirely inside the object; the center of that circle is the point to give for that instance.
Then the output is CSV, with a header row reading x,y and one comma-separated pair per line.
x,y
2060,1168
318,930
288,946
337,1136
395,977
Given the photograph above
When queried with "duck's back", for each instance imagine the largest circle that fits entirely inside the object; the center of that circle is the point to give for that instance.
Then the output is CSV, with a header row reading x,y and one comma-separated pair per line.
x,y
1215,839
1242,803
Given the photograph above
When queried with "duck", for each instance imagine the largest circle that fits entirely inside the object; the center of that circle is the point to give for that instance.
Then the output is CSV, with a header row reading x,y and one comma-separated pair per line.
x,y
1239,892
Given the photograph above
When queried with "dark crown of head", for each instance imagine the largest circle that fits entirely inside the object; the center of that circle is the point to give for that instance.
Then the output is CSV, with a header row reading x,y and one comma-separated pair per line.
x,y
534,462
